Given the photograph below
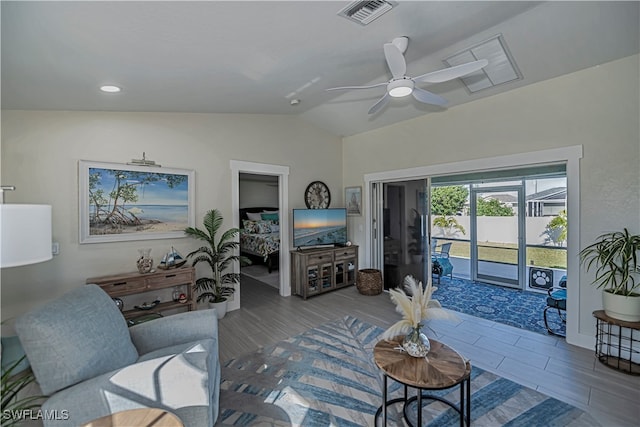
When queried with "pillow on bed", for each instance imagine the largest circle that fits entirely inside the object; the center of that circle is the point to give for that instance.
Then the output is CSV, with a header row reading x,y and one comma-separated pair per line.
x,y
250,226
273,217
263,227
254,216
257,227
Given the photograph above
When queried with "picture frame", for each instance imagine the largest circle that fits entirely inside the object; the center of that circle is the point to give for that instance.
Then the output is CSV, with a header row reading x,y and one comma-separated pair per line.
x,y
119,202
353,200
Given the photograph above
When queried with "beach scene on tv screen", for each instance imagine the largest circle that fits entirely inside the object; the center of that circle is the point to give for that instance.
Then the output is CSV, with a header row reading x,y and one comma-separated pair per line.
x,y
319,227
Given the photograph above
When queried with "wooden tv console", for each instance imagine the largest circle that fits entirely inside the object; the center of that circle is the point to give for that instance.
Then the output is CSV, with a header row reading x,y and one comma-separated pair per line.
x,y
316,271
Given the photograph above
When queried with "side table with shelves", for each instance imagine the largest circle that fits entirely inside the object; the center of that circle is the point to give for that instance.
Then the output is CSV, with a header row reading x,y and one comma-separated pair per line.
x,y
315,271
617,343
130,284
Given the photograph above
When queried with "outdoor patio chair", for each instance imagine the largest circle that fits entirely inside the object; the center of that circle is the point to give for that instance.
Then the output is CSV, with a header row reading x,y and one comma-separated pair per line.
x,y
557,300
442,259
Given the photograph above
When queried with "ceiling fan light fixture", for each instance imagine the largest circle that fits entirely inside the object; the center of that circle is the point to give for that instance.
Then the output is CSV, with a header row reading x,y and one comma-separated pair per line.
x,y
400,88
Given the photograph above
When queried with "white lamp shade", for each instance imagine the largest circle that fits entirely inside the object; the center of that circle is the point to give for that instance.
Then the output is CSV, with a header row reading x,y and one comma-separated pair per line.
x,y
25,233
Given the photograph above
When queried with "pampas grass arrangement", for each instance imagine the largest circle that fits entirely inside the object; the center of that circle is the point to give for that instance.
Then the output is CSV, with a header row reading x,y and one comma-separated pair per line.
x,y
414,303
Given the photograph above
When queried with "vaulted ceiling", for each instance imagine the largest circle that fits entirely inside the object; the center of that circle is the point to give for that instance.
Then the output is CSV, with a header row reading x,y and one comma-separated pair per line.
x,y
256,57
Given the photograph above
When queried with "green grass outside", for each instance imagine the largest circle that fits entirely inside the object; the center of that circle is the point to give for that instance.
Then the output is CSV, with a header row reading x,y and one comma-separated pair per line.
x,y
506,253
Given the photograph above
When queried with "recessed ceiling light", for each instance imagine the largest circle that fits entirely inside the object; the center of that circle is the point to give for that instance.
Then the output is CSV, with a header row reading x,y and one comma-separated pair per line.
x,y
110,88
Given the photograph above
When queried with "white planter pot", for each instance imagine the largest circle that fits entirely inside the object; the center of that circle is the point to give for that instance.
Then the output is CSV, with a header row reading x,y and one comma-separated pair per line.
x,y
221,308
621,307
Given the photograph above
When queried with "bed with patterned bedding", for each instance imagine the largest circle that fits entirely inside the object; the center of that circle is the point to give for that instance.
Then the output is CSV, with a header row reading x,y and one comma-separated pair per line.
x,y
260,238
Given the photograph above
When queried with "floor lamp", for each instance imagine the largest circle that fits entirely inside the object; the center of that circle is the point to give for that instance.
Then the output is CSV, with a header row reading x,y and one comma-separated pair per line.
x,y
25,238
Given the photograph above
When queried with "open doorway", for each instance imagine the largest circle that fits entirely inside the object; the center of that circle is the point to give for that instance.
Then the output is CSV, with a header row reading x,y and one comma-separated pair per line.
x,y
259,219
282,173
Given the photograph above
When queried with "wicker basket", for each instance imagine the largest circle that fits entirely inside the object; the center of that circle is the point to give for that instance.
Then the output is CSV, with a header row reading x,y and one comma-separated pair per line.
x,y
369,281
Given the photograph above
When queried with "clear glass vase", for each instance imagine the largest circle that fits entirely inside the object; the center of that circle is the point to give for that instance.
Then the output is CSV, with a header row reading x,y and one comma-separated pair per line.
x,y
144,262
415,343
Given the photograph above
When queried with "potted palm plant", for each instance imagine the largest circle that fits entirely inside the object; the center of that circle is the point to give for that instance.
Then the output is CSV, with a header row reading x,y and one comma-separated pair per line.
x,y
615,258
219,255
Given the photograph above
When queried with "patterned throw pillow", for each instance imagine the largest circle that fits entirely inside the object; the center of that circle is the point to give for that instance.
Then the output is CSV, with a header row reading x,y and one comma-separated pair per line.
x,y
250,226
264,227
257,227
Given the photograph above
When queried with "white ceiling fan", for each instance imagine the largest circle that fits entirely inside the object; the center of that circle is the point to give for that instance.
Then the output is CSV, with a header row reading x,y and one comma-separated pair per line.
x,y
401,85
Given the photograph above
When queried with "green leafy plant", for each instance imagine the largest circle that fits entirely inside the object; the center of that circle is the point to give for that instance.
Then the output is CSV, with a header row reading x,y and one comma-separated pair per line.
x,y
493,207
556,230
448,200
615,258
219,255
12,385
448,224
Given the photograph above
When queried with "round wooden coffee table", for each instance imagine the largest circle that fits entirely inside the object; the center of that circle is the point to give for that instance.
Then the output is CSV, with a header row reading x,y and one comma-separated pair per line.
x,y
443,368
148,417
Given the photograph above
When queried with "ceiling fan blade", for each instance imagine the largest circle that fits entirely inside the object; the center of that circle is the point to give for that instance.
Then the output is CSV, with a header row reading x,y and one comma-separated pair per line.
x,y
452,72
427,97
358,87
381,103
395,60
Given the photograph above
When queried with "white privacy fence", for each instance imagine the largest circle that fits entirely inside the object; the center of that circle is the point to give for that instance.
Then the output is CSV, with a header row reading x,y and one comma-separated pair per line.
x,y
502,229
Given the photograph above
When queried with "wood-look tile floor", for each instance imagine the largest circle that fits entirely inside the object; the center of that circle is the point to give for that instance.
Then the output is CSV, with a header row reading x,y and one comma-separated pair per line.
x,y
545,363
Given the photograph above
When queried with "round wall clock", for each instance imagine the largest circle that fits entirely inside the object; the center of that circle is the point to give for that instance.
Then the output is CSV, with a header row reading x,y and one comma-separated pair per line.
x,y
317,195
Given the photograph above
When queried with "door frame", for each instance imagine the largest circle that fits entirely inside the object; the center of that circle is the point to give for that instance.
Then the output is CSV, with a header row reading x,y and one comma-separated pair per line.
x,y
569,155
282,172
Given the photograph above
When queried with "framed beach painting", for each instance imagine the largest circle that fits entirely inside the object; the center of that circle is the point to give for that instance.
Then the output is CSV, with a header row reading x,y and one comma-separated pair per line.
x,y
353,200
127,202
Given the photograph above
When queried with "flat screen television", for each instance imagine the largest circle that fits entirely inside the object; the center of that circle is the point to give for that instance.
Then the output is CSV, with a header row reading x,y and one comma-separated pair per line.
x,y
319,227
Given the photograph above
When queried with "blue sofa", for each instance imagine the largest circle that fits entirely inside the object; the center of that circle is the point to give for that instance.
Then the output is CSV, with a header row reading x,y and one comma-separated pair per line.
x,y
90,364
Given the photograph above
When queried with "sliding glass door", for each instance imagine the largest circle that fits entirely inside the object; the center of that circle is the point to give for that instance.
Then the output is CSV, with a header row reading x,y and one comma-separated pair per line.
x,y
401,219
498,249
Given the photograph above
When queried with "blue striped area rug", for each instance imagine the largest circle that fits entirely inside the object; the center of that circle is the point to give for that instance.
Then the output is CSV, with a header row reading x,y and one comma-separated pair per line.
x,y
326,376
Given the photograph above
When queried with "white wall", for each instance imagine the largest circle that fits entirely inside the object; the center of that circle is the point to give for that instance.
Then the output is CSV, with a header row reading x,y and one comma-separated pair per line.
x,y
596,108
40,153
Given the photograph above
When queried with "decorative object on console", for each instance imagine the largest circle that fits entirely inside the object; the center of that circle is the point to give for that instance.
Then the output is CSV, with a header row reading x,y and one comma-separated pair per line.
x,y
119,303
317,195
416,306
171,259
119,202
218,254
147,305
144,262
615,257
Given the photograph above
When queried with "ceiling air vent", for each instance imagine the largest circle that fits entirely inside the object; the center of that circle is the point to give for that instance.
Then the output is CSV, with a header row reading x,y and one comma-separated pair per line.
x,y
363,12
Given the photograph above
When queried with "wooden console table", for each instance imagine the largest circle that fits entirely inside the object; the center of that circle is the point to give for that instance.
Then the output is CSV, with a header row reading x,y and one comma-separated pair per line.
x,y
127,284
617,343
